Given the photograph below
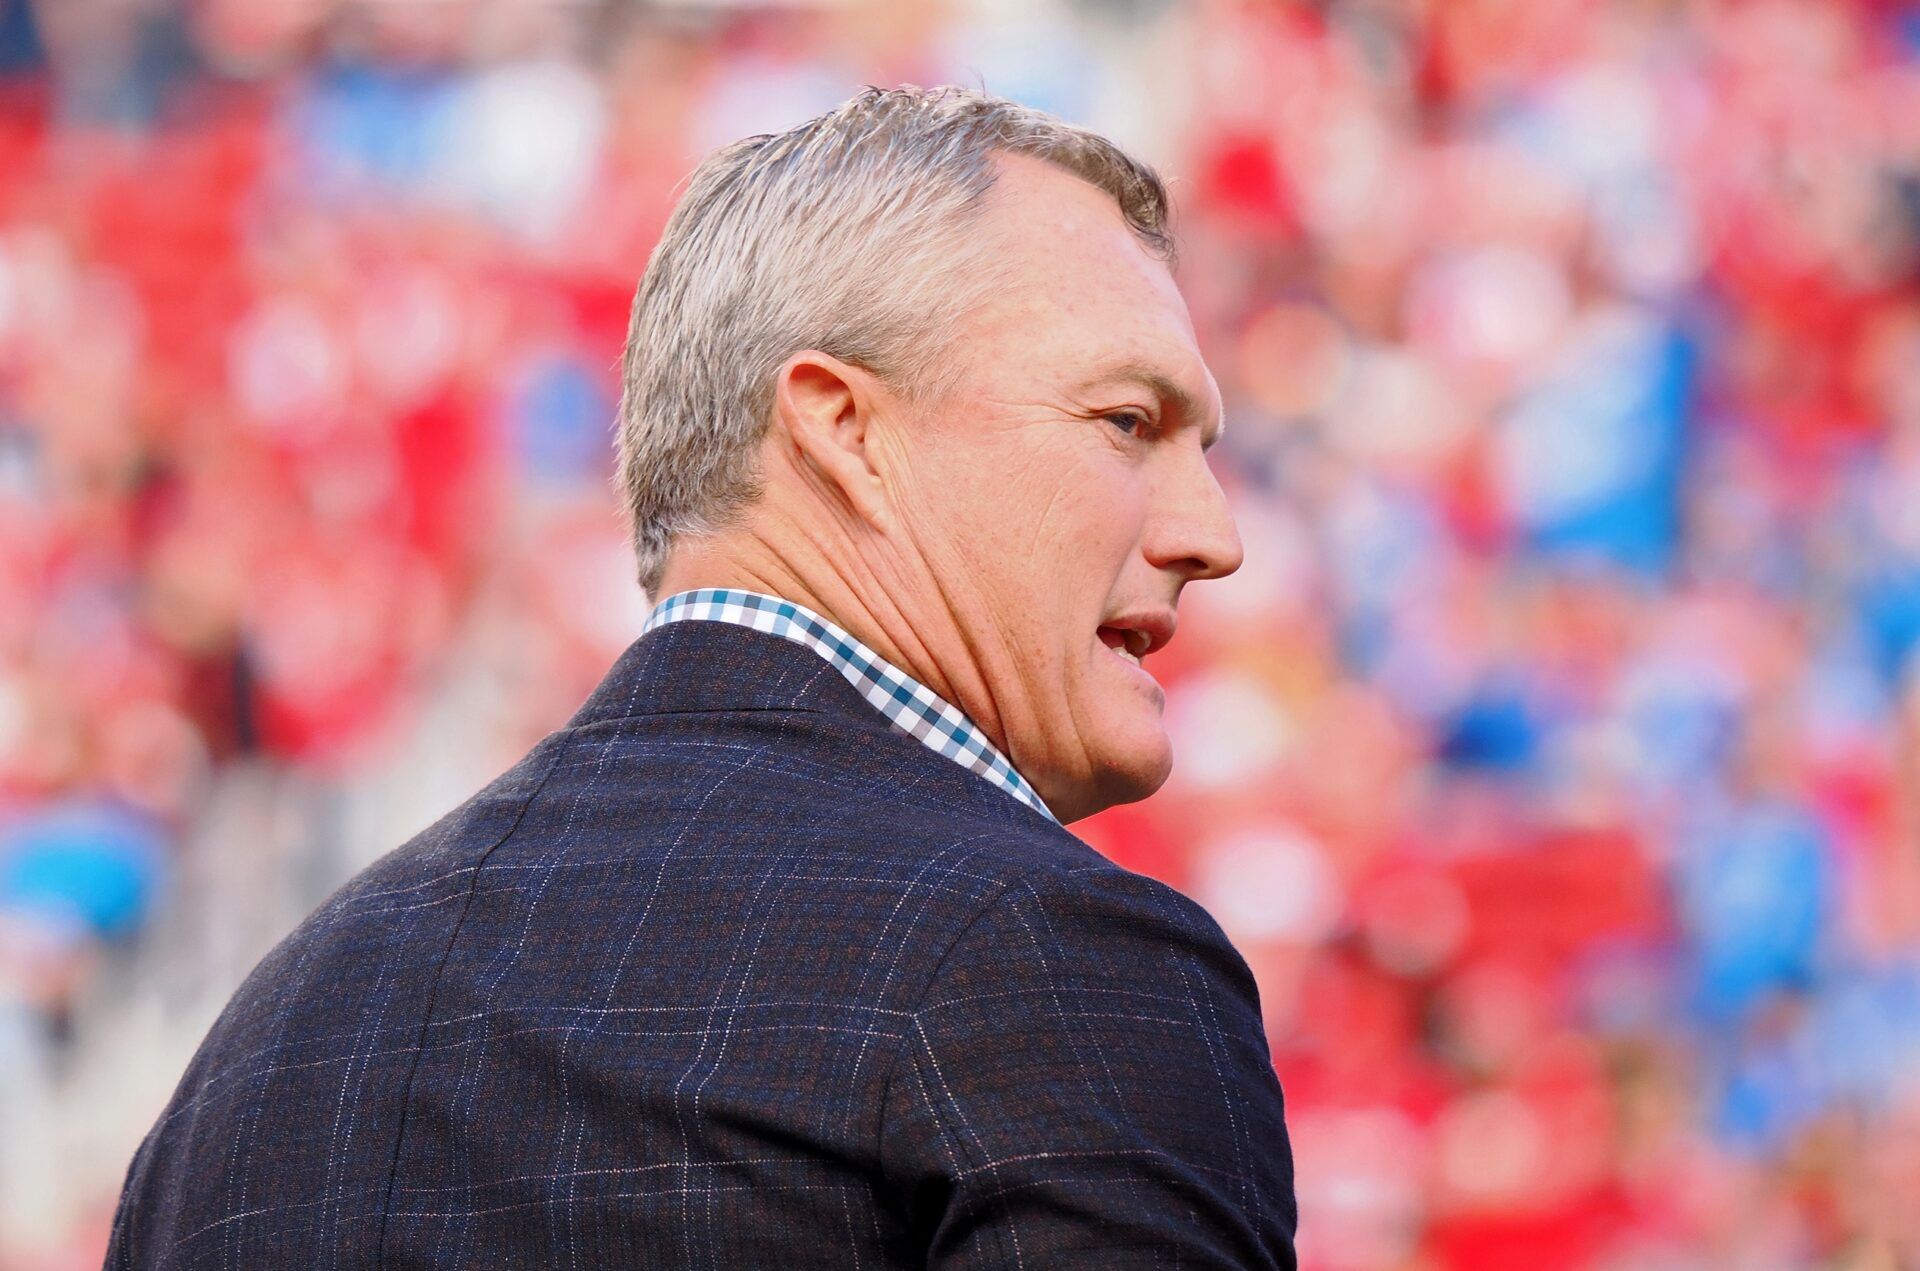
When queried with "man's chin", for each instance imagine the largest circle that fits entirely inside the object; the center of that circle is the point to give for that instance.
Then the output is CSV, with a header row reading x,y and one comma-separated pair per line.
x,y
1125,774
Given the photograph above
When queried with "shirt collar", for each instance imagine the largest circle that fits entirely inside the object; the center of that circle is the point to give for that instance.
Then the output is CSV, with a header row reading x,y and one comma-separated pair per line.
x,y
907,704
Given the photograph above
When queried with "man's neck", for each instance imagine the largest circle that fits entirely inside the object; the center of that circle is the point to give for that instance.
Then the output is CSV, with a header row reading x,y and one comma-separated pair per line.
x,y
839,585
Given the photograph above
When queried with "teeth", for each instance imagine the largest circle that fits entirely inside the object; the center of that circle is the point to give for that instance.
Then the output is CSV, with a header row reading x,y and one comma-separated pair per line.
x,y
1133,644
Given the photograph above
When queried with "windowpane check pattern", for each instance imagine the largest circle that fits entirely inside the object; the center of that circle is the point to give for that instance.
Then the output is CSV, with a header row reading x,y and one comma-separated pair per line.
x,y
907,704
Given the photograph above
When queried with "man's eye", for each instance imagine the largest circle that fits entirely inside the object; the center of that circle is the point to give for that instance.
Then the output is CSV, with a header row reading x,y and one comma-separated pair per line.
x,y
1131,422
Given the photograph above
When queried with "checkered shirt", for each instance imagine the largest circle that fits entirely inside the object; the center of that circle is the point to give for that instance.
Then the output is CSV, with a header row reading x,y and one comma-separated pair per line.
x,y
908,705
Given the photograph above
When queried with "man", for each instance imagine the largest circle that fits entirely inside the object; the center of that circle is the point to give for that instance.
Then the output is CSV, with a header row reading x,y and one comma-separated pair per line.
x,y
778,954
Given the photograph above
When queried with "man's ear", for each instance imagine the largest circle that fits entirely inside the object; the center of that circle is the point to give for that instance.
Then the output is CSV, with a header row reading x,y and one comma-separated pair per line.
x,y
825,408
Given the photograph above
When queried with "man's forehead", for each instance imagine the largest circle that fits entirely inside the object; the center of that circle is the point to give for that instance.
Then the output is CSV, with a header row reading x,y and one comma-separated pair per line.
x,y
1042,211
1058,241
1081,296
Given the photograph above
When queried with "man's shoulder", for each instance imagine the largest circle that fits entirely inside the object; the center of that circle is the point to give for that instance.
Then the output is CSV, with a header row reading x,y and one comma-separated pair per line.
x,y
707,841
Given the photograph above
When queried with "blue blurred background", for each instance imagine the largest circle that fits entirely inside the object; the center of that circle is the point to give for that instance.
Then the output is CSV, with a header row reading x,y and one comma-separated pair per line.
x,y
1555,758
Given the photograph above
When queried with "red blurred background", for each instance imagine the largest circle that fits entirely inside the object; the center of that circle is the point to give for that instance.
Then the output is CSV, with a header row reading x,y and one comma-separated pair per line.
x,y
1555,758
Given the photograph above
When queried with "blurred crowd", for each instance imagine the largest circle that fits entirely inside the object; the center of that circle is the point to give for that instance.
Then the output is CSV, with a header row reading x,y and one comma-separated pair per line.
x,y
1554,759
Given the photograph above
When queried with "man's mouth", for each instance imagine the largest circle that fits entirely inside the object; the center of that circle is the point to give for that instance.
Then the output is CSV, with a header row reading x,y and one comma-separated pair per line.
x,y
1127,642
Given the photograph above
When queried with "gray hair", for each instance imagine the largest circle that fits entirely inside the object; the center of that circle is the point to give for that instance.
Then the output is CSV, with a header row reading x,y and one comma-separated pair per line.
x,y
847,234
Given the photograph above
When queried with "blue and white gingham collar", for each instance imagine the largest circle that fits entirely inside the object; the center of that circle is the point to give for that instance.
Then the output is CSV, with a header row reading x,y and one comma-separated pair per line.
x,y
908,705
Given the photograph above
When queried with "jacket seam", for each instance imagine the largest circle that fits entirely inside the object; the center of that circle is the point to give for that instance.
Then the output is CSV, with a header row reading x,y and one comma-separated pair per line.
x,y
907,1037
433,995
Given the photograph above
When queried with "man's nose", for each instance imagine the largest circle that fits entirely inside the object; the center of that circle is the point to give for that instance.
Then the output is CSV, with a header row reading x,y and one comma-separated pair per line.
x,y
1193,530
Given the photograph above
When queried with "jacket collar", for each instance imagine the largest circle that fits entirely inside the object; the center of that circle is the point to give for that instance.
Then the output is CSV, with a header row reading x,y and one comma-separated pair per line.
x,y
714,666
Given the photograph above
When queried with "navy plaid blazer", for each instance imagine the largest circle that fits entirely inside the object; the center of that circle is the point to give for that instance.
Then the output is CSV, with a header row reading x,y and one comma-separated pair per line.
x,y
729,973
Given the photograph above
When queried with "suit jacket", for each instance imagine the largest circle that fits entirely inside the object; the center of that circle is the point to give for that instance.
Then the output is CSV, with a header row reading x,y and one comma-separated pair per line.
x,y
729,973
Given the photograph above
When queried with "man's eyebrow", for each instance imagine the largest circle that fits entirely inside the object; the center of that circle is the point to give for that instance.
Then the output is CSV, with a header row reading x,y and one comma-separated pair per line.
x,y
1162,386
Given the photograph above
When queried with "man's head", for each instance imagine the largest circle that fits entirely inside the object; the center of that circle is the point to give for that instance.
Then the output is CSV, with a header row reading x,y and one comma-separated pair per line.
x,y
921,364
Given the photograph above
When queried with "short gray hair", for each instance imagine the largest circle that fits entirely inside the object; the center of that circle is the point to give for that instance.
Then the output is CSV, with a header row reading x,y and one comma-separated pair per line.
x,y
846,234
